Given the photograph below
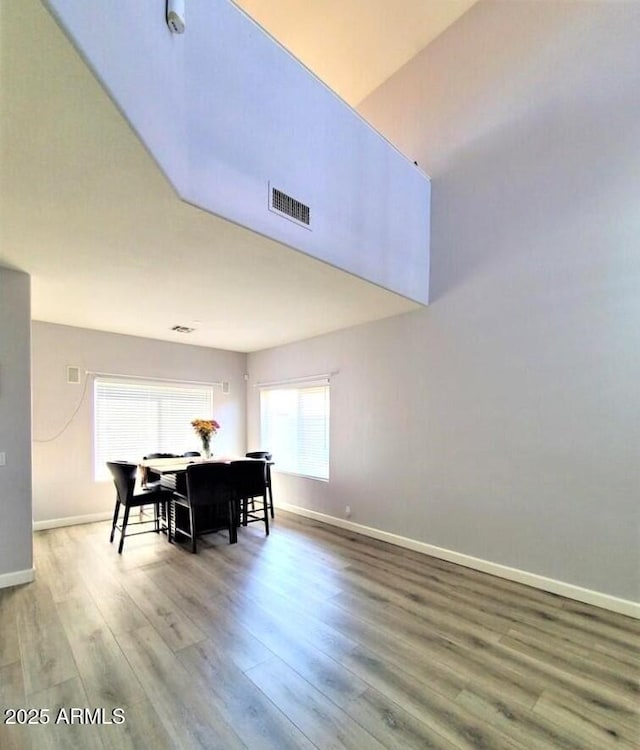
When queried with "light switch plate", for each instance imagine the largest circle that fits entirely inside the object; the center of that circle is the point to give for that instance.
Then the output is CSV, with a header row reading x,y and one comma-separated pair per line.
x,y
3,458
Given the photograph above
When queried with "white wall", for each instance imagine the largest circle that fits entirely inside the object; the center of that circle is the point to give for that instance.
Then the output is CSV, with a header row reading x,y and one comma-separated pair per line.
x,y
503,421
226,119
63,483
15,428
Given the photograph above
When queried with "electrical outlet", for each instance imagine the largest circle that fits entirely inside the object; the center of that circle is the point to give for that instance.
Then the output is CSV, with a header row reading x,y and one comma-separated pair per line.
x,y
347,511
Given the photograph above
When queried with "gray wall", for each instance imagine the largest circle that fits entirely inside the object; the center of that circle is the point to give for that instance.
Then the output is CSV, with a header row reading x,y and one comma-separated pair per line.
x,y
63,481
15,422
503,421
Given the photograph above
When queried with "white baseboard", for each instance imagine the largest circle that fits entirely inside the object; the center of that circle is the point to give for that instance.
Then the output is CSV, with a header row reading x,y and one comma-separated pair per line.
x,y
54,523
597,598
16,578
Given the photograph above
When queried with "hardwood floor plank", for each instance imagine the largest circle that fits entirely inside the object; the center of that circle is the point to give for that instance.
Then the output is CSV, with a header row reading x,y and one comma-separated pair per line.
x,y
523,726
119,610
106,675
481,659
177,630
142,729
258,722
321,720
290,611
551,673
190,717
467,661
12,736
588,611
9,643
208,612
296,549
326,674
44,649
63,731
523,614
59,565
405,690
616,678
437,616
591,723
239,565
551,643
299,568
357,644
392,725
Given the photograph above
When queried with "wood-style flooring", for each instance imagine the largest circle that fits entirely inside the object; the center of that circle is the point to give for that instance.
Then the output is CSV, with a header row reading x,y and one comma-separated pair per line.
x,y
310,638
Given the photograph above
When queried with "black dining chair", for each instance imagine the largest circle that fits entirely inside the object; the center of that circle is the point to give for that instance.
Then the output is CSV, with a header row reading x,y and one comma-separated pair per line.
x,y
266,456
250,481
210,492
153,477
124,477
153,480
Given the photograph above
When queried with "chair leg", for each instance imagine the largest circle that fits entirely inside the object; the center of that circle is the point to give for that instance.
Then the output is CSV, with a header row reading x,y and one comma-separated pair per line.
x,y
266,513
270,500
193,529
125,521
115,520
233,529
170,516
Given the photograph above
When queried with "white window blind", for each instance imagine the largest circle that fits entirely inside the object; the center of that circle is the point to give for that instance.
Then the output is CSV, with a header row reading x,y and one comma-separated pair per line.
x,y
295,428
134,418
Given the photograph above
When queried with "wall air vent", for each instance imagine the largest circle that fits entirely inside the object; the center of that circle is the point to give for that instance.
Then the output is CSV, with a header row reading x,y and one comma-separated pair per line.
x,y
183,329
293,209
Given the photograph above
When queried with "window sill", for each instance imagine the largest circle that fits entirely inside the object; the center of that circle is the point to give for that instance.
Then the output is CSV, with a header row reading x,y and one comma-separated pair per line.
x,y
301,476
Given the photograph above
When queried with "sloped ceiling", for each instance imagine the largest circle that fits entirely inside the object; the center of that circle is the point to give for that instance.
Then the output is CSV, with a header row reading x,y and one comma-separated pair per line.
x,y
355,45
85,211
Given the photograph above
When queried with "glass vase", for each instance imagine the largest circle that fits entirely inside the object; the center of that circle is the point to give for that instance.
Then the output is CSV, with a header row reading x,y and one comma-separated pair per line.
x,y
206,447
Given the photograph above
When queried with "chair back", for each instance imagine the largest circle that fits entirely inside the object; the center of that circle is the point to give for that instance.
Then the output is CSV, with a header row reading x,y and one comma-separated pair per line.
x,y
259,454
209,484
124,478
265,456
153,476
249,477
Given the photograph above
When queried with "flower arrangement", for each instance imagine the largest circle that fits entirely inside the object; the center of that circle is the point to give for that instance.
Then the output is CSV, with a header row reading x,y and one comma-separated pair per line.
x,y
205,428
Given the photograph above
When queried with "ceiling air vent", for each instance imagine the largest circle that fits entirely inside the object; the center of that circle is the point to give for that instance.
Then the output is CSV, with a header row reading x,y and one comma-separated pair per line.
x,y
183,329
285,205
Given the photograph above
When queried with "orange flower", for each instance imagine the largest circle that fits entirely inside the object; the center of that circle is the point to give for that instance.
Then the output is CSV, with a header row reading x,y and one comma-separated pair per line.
x,y
205,427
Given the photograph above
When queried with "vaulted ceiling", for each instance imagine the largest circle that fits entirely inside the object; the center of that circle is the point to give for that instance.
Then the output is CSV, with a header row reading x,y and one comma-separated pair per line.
x,y
85,210
355,45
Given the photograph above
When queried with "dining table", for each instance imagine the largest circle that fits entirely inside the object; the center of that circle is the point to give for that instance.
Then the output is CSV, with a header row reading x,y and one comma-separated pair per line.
x,y
177,466
173,477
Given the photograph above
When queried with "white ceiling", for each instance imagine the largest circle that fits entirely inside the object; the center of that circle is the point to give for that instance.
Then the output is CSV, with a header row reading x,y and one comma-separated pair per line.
x,y
355,45
85,210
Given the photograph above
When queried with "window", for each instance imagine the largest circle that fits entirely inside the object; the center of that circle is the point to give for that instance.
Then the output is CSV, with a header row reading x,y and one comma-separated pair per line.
x,y
133,418
294,423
